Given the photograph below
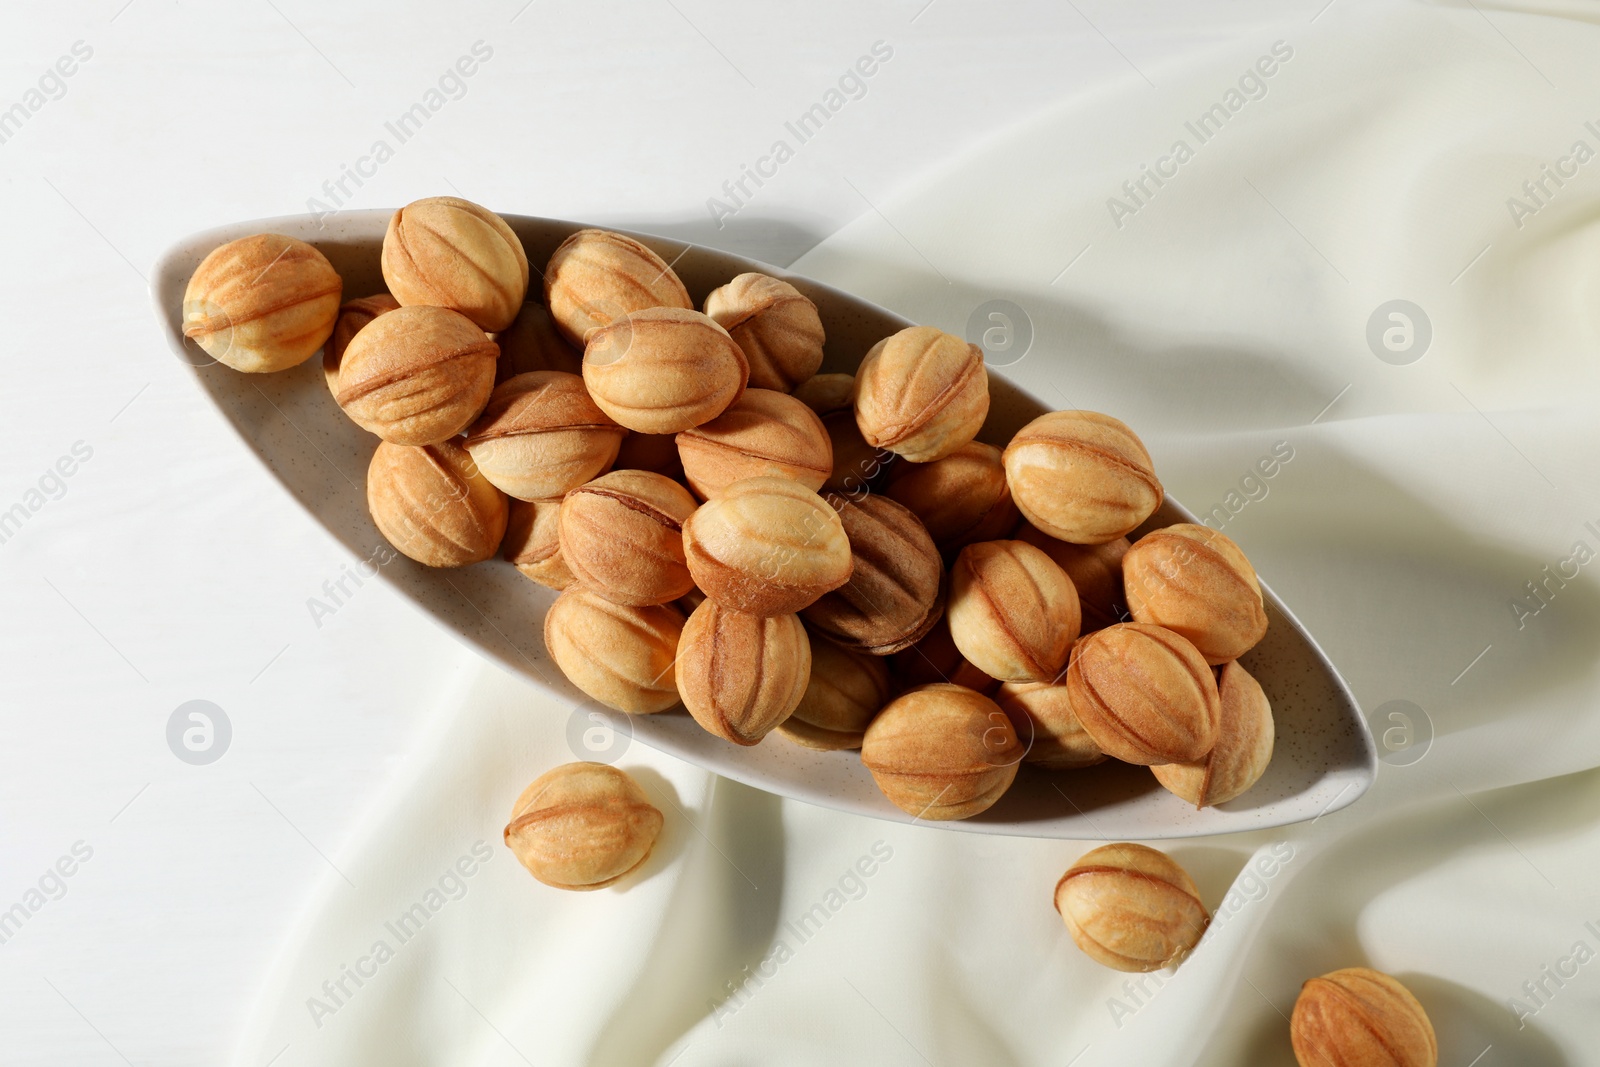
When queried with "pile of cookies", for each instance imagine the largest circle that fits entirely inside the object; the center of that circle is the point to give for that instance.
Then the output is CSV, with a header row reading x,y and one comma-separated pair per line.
x,y
832,558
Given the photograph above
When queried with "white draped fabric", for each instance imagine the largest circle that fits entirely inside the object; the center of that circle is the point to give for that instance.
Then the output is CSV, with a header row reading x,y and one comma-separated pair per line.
x,y
1213,255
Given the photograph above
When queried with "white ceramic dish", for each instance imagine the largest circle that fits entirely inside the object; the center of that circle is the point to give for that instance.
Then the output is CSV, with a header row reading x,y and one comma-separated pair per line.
x,y
1325,757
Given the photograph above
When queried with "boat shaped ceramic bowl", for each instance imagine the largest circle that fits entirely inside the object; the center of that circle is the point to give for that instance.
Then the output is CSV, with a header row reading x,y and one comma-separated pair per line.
x,y
1325,757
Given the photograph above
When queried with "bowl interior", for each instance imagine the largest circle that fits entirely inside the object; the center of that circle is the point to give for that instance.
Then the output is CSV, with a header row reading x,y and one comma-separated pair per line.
x,y
1324,758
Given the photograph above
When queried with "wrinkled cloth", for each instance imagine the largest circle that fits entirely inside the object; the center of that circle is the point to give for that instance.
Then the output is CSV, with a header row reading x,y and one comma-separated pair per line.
x,y
1436,526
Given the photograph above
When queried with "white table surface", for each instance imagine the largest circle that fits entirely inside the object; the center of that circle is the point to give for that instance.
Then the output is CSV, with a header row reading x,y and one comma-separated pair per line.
x,y
171,567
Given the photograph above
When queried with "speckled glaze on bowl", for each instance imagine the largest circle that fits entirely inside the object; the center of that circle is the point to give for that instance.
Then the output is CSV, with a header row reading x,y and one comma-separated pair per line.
x,y
1325,757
